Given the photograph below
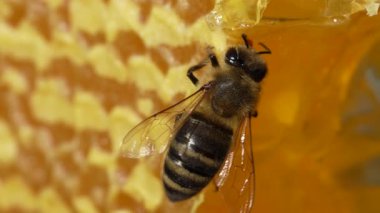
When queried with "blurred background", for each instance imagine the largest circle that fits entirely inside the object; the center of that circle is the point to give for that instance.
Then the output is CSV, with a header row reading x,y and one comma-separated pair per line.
x,y
75,76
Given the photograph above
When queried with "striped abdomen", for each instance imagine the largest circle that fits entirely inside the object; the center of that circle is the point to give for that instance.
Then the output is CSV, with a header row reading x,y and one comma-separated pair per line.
x,y
195,155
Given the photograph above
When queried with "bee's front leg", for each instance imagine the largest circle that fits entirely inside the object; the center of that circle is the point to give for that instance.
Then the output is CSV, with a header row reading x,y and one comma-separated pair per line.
x,y
213,59
214,63
254,113
192,69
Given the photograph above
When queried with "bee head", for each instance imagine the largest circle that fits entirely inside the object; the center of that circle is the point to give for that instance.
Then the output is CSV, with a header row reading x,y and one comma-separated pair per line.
x,y
247,59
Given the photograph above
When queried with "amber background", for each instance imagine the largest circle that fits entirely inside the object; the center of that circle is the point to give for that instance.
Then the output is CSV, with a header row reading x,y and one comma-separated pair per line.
x,y
76,75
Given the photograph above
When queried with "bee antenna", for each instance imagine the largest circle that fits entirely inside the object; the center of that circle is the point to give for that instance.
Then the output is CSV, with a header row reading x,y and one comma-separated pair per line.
x,y
266,49
247,42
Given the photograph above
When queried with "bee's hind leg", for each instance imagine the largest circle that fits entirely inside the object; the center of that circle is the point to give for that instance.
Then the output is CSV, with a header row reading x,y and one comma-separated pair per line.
x,y
216,185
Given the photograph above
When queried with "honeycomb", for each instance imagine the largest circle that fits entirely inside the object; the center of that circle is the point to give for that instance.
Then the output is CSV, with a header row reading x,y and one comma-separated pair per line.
x,y
75,76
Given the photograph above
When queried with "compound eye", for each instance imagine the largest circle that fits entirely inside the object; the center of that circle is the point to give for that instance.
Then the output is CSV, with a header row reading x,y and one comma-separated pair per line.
x,y
258,72
232,57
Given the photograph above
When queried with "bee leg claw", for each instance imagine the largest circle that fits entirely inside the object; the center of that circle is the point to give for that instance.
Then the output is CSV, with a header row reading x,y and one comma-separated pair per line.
x,y
254,114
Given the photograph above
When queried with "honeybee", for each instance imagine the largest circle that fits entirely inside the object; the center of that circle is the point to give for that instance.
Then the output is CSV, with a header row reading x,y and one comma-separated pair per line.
x,y
204,135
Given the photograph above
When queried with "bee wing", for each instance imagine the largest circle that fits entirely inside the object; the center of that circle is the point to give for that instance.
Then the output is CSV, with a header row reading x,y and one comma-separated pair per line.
x,y
236,179
152,135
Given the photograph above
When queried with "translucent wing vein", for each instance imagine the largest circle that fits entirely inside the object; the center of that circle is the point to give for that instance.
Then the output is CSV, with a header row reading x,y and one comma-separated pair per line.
x,y
152,135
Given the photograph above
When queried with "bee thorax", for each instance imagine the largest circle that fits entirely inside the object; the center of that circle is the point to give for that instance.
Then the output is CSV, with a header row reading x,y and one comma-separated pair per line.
x,y
230,97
